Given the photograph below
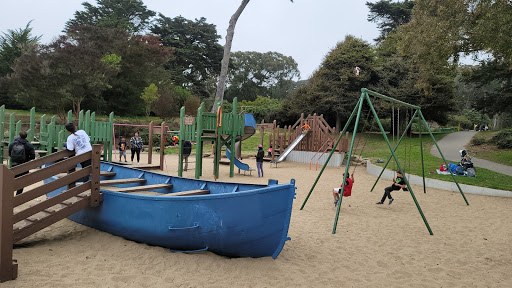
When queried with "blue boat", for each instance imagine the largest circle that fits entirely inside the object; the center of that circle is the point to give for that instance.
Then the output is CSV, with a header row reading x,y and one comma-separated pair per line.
x,y
188,215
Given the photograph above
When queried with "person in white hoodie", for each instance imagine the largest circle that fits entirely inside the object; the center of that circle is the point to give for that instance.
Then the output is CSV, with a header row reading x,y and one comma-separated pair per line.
x,y
79,142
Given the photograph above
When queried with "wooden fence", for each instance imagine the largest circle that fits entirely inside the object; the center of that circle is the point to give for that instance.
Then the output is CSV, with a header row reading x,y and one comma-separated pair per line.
x,y
26,220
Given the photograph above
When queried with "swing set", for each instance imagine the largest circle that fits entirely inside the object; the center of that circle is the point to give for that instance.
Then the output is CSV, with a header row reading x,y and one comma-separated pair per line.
x,y
365,93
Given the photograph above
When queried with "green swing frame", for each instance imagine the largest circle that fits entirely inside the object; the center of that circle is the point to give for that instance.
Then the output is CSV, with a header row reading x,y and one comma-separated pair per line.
x,y
365,96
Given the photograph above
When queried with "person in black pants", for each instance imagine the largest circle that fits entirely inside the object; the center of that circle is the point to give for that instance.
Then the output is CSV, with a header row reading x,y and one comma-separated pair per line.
x,y
187,149
21,151
398,183
259,160
136,145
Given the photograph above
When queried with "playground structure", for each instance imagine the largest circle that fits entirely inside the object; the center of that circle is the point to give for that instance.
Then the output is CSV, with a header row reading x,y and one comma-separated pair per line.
x,y
51,136
222,129
365,93
309,134
27,221
162,130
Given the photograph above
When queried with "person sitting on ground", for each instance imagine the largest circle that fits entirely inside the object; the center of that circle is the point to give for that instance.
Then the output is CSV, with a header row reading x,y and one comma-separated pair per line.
x,y
443,168
21,151
122,149
398,183
347,191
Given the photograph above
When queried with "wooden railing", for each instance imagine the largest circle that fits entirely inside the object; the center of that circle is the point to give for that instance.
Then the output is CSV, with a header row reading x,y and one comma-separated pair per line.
x,y
15,226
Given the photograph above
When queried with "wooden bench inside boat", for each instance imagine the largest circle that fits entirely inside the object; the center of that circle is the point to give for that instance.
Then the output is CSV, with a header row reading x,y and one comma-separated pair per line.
x,y
140,188
121,181
189,193
102,173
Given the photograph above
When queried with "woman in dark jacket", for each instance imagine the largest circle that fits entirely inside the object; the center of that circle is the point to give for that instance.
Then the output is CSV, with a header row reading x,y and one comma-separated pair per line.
x,y
259,160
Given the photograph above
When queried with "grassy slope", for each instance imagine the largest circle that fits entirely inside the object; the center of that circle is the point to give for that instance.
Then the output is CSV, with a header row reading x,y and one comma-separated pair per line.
x,y
377,148
489,151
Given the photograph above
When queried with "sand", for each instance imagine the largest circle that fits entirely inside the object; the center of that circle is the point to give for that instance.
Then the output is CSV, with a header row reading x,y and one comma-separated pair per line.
x,y
375,245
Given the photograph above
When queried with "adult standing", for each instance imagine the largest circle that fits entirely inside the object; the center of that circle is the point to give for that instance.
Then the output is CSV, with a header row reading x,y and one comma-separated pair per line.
x,y
21,151
259,160
79,142
136,145
187,149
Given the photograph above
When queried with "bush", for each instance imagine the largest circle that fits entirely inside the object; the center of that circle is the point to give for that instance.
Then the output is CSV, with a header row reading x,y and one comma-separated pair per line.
x,y
503,139
505,143
478,141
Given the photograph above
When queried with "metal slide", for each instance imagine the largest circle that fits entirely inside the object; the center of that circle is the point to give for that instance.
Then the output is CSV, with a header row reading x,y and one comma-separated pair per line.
x,y
290,148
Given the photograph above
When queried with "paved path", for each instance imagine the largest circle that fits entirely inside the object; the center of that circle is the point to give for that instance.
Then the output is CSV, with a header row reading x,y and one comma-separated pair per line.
x,y
452,143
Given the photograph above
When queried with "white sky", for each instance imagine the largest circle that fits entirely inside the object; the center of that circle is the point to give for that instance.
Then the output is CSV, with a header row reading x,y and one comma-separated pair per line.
x,y
306,29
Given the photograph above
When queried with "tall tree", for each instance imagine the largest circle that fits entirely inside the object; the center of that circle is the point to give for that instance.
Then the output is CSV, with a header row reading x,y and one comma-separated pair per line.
x,y
197,54
389,15
129,15
334,88
221,86
99,68
265,74
12,45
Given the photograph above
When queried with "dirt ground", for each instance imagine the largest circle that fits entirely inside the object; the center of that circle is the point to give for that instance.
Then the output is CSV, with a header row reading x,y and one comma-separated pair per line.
x,y
375,245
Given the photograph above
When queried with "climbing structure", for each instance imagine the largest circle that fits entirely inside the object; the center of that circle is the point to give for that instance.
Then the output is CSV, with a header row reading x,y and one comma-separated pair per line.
x,y
217,128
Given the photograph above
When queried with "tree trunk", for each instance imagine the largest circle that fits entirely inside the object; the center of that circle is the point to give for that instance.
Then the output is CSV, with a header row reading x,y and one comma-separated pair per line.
x,y
219,96
338,123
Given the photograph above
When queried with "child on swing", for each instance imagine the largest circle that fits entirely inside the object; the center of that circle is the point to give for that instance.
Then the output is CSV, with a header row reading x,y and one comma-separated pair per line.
x,y
398,183
347,191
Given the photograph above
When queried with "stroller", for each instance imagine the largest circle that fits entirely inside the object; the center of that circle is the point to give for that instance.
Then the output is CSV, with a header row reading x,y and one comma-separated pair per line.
x,y
467,164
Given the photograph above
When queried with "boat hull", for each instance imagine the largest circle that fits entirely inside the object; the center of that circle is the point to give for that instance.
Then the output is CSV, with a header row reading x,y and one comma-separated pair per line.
x,y
252,221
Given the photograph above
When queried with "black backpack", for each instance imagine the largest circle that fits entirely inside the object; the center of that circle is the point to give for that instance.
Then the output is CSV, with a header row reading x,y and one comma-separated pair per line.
x,y
18,154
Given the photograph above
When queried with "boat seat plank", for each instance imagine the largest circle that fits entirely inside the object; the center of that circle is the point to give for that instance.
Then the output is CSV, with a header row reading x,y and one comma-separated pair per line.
x,y
140,188
121,181
102,173
189,193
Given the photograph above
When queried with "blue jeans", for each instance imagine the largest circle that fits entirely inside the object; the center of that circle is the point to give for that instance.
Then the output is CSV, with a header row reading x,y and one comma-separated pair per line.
x,y
259,166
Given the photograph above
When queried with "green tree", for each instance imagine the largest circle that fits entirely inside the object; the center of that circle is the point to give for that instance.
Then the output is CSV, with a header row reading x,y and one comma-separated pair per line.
x,y
196,52
263,108
334,88
269,74
13,44
149,96
98,68
389,15
129,15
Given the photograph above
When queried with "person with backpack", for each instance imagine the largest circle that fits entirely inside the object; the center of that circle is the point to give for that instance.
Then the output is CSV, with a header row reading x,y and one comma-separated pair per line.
x,y
79,142
187,149
21,151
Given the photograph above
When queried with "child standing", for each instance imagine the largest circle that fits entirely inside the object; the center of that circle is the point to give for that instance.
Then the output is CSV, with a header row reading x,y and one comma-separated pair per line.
x,y
259,160
398,183
122,149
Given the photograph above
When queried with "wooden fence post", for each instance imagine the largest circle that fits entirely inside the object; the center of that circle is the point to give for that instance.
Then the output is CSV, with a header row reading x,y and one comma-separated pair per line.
x,y
163,133
150,144
8,269
95,175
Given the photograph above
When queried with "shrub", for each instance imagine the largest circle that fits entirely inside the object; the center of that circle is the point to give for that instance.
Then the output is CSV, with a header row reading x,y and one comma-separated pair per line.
x,y
503,139
505,143
503,134
478,141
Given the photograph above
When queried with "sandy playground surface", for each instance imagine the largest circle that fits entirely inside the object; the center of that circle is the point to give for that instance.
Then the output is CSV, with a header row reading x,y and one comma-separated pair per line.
x,y
375,246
